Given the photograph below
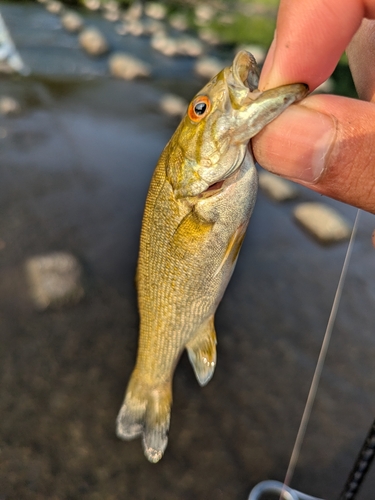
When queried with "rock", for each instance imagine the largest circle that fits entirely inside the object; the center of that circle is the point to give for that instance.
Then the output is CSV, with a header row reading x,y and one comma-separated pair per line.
x,y
54,7
209,36
155,10
322,222
189,46
277,188
72,22
9,106
204,13
111,16
125,66
134,12
207,67
54,280
164,44
173,105
93,42
178,22
92,4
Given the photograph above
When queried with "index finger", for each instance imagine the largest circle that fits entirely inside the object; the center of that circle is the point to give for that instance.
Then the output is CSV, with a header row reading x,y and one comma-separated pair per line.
x,y
310,39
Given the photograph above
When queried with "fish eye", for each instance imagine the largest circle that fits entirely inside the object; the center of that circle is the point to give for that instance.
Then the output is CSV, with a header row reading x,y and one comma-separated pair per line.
x,y
199,108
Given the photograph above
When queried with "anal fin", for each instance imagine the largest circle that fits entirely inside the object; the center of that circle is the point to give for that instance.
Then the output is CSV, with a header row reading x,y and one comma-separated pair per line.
x,y
202,352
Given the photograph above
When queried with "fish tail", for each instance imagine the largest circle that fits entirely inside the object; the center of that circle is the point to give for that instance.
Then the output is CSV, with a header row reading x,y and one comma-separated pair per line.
x,y
146,412
202,352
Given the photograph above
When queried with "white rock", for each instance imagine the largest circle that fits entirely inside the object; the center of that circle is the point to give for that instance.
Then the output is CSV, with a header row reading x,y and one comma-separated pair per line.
x,y
54,7
111,6
164,44
189,46
209,36
54,279
92,4
173,105
155,10
112,16
207,67
204,13
134,12
322,222
9,106
72,22
93,42
178,22
277,188
127,67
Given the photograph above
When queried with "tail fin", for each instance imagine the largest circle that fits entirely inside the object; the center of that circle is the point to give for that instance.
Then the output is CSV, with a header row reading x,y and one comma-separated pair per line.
x,y
146,412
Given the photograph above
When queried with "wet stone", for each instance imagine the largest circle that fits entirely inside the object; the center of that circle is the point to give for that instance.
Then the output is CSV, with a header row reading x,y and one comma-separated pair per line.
x,y
54,280
173,105
324,223
9,106
93,42
72,22
276,188
54,7
125,66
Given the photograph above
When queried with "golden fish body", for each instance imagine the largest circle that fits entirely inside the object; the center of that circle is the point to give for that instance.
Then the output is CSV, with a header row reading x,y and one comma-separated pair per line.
x,y
197,210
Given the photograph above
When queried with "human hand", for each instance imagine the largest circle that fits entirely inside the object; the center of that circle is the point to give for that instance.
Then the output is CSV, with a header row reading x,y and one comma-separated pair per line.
x,y
326,142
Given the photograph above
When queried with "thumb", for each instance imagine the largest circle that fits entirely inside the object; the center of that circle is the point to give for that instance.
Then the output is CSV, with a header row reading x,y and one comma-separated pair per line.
x,y
326,143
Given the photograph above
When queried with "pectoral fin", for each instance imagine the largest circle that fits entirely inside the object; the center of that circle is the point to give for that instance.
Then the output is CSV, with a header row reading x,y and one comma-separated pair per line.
x,y
202,352
233,247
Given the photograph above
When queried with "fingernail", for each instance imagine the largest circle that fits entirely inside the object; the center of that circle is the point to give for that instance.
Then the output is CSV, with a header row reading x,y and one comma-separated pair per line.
x,y
297,144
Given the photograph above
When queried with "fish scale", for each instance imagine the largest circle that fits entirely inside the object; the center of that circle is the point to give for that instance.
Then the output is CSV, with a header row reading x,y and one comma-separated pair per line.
x,y
198,206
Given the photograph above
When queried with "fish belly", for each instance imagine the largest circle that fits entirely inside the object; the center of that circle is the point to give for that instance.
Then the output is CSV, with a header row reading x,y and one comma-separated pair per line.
x,y
185,263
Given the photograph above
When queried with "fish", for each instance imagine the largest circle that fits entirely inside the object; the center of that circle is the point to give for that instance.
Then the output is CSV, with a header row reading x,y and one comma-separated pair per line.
x,y
197,210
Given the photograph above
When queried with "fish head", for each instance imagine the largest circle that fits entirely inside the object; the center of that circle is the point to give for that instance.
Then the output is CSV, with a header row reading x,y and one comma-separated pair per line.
x,y
211,141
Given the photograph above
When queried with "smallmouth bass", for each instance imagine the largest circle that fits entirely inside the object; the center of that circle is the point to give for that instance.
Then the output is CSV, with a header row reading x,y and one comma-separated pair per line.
x,y
199,203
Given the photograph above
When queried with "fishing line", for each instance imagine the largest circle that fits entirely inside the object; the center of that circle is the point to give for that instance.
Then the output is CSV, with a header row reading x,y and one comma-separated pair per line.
x,y
320,363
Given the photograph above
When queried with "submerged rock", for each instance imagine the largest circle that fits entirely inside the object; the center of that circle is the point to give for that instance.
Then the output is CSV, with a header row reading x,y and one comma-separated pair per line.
x,y
72,22
125,66
277,188
155,10
54,280
323,222
91,4
93,42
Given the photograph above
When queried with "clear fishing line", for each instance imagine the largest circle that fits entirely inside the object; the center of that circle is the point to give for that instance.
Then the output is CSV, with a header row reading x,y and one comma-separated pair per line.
x,y
320,363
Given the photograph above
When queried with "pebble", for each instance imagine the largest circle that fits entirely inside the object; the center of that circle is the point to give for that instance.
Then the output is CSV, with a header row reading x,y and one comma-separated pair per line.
x,y
72,22
9,106
155,10
134,12
178,22
204,13
164,44
173,105
189,46
276,188
92,4
209,36
208,67
93,42
127,67
323,222
55,280
54,7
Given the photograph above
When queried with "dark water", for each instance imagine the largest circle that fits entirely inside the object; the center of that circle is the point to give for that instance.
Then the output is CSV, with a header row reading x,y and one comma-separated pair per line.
x,y
74,170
